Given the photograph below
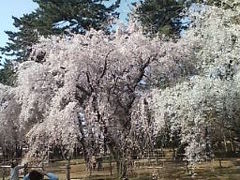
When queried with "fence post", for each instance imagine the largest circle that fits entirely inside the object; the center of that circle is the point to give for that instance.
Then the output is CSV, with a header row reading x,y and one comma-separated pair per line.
x,y
220,162
3,170
42,166
110,164
68,168
25,171
3,173
157,157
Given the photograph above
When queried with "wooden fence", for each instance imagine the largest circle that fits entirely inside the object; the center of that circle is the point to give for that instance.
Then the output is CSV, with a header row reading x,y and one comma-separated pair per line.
x,y
5,169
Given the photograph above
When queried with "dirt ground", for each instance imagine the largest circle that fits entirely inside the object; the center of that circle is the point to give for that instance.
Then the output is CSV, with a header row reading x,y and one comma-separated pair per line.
x,y
147,170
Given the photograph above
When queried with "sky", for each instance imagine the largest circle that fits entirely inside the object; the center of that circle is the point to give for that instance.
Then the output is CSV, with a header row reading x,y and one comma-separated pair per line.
x,y
17,8
9,8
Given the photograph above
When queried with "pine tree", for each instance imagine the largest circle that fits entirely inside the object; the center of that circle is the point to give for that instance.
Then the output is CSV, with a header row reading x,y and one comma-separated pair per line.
x,y
55,17
163,16
19,42
76,16
7,75
160,16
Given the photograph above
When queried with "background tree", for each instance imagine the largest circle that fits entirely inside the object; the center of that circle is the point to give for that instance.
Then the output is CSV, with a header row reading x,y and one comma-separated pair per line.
x,y
203,108
160,16
165,17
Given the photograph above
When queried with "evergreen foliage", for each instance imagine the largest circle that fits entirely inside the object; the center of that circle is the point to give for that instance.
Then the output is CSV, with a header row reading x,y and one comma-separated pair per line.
x,y
160,16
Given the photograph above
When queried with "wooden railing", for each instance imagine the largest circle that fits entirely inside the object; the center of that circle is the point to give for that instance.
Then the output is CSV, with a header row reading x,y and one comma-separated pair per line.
x,y
156,158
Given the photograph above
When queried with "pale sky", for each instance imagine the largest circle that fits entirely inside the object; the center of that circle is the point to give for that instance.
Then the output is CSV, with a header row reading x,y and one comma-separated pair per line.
x,y
9,8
